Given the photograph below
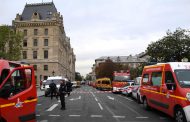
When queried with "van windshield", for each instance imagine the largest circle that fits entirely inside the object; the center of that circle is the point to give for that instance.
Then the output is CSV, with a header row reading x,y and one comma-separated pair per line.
x,y
183,77
55,81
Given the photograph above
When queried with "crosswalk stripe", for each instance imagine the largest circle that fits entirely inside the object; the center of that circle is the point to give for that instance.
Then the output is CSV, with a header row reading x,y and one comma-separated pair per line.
x,y
52,107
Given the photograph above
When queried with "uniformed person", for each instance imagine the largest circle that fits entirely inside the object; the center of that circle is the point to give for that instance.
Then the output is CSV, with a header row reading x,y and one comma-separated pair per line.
x,y
62,92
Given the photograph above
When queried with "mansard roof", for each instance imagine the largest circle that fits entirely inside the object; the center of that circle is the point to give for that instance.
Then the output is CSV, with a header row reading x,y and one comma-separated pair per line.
x,y
45,10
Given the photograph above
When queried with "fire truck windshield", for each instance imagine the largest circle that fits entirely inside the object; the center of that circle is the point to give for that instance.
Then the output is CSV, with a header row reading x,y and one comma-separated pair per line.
x,y
121,78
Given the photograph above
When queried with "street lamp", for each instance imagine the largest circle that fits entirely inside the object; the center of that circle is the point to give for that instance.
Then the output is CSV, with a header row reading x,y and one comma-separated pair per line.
x,y
53,72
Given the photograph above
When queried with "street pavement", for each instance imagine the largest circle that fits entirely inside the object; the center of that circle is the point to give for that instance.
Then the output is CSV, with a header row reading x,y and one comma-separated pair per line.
x,y
87,104
39,92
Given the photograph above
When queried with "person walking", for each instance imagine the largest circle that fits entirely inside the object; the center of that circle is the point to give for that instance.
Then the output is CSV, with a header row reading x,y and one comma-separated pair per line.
x,y
53,90
69,87
62,92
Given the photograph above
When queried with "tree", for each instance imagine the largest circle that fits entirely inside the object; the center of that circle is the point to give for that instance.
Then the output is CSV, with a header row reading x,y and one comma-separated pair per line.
x,y
172,47
106,69
78,77
10,43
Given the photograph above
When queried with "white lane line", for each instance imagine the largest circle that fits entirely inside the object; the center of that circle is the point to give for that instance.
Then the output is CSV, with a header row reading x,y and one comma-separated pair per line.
x,y
119,117
39,104
100,106
92,94
142,117
74,115
52,107
96,99
37,115
99,116
53,115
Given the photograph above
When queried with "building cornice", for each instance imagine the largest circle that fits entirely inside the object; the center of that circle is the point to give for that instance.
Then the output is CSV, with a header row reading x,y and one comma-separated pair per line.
x,y
18,24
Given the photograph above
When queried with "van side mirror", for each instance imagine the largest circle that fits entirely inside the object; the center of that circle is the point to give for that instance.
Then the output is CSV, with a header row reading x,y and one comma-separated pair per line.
x,y
171,86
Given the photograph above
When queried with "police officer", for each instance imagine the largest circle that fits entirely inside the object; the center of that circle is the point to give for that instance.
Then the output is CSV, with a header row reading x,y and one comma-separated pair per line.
x,y
69,87
53,88
62,92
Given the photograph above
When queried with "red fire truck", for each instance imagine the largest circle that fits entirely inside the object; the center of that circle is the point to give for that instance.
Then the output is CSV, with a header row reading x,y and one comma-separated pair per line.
x,y
18,95
120,79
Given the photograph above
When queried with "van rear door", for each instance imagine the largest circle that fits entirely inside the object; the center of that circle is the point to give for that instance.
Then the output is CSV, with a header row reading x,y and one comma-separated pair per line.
x,y
18,96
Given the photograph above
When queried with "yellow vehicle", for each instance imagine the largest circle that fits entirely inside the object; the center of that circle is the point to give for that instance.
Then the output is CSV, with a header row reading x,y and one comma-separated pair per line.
x,y
103,84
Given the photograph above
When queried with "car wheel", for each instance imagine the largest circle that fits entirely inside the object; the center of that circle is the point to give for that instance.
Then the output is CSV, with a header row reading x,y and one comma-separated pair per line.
x,y
179,115
145,104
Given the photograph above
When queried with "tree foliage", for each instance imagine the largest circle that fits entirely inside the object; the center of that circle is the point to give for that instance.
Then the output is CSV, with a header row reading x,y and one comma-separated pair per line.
x,y
10,43
107,68
173,47
78,76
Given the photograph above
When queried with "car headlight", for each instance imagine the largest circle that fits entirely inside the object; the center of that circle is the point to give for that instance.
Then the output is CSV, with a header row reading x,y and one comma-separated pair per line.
x,y
188,96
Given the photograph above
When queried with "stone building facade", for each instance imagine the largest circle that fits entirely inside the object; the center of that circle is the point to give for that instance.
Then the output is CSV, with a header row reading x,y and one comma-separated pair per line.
x,y
45,44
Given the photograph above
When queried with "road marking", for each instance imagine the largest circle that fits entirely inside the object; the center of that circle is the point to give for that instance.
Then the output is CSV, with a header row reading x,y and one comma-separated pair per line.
x,y
53,115
52,107
100,106
96,116
75,98
96,99
74,115
119,117
111,98
92,94
39,104
142,117
37,115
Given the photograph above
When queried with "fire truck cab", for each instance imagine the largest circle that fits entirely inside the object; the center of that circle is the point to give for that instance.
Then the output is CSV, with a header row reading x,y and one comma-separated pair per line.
x,y
166,87
18,95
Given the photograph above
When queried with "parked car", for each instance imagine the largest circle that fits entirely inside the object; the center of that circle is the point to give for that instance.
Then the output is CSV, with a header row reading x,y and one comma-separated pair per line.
x,y
136,90
127,89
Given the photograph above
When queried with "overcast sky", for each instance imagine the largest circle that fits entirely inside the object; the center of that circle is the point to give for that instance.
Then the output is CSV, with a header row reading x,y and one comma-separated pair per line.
x,y
110,27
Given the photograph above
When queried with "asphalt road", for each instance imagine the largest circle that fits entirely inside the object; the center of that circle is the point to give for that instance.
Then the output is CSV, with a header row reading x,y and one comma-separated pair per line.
x,y
87,104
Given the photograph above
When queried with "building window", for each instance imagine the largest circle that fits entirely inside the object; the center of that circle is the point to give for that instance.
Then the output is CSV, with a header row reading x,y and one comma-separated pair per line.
x,y
46,31
35,54
24,54
25,32
45,77
35,42
45,54
25,43
45,42
35,67
35,31
46,67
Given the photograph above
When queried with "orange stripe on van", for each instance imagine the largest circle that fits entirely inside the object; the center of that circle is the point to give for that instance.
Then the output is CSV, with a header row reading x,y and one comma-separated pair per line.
x,y
7,105
13,104
174,96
